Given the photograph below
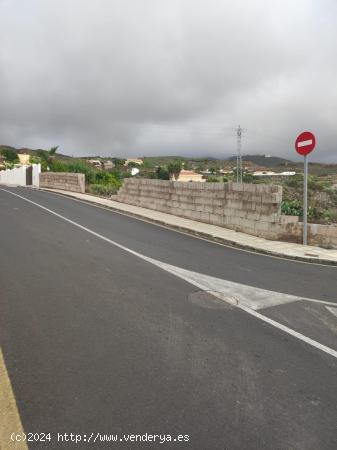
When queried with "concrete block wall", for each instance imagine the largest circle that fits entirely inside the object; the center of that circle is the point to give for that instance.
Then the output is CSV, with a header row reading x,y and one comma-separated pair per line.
x,y
318,235
323,235
250,208
74,182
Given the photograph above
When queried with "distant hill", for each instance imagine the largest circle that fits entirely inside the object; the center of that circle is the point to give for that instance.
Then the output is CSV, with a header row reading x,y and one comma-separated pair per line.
x,y
30,151
7,147
273,162
264,160
281,164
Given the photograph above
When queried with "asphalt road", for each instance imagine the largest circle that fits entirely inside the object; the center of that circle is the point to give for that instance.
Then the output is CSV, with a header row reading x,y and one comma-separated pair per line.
x,y
97,340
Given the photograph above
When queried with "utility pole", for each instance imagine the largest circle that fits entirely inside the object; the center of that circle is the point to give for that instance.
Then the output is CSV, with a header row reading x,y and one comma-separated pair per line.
x,y
239,155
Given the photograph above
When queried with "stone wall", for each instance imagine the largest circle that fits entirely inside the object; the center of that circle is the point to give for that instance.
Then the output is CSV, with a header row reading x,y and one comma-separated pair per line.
x,y
250,208
74,182
323,235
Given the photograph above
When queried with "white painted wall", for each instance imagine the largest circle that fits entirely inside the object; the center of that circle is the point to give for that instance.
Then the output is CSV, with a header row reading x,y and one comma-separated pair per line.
x,y
17,176
36,175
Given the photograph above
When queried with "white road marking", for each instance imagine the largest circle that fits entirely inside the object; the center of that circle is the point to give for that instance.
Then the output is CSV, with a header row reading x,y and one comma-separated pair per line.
x,y
304,143
205,283
252,297
322,302
179,231
332,310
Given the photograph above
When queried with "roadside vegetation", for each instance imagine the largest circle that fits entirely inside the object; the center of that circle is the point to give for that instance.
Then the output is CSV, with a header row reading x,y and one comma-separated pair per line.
x,y
322,198
98,182
322,183
10,155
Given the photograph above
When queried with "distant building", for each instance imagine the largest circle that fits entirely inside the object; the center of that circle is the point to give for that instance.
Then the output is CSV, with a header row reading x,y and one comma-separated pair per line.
x,y
24,159
249,166
226,169
108,165
190,175
133,160
287,174
134,171
95,163
270,173
263,173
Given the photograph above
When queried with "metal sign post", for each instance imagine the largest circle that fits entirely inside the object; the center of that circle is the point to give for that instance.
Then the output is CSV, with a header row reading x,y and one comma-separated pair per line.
x,y
305,202
304,144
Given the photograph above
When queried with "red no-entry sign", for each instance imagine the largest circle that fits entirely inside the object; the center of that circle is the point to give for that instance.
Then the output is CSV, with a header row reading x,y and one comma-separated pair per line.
x,y
305,143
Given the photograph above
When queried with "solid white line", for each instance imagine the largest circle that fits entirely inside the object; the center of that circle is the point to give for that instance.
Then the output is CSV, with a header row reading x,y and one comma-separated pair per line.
x,y
186,233
304,143
290,331
332,310
184,275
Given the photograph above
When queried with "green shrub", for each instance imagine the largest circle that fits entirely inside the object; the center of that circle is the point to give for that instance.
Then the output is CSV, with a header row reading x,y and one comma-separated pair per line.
x,y
92,176
248,178
291,208
35,160
162,173
104,190
329,216
82,167
294,208
317,185
58,166
313,213
295,181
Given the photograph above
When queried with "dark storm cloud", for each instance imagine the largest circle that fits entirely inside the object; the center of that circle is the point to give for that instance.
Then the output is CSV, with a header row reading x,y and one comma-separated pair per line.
x,y
168,76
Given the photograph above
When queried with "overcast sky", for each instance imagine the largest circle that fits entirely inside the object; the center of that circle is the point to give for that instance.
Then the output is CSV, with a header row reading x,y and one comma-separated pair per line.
x,y
156,77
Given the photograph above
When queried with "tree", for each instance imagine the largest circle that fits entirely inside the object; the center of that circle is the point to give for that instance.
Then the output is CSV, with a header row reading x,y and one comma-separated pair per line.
x,y
10,154
118,162
53,150
132,164
162,174
187,165
48,156
212,179
174,169
248,178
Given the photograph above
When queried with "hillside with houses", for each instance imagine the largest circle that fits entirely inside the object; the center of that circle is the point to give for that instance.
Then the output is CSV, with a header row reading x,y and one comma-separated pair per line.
x,y
104,175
